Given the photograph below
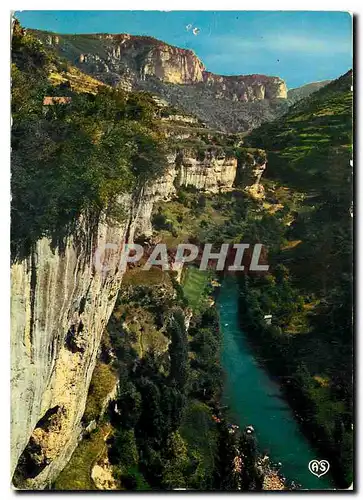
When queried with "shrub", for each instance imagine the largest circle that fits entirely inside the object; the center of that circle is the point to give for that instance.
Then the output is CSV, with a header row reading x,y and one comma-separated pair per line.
x,y
102,383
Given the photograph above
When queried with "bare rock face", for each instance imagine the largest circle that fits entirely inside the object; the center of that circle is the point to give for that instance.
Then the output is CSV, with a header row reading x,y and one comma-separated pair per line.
x,y
124,59
209,173
138,58
176,75
127,60
60,303
150,57
102,475
173,65
246,88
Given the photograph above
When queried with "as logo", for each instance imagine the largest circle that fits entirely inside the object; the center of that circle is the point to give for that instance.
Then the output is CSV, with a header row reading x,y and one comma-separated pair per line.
x,y
319,468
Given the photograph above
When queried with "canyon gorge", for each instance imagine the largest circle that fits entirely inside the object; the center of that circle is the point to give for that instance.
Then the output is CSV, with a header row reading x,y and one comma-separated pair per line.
x,y
119,139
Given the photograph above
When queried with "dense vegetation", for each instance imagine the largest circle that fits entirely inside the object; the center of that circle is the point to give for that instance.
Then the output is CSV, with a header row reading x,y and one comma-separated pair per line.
x,y
305,223
168,388
310,292
72,158
161,431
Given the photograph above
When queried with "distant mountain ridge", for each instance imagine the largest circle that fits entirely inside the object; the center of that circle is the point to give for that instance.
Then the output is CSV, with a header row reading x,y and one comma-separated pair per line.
x,y
125,59
227,103
299,93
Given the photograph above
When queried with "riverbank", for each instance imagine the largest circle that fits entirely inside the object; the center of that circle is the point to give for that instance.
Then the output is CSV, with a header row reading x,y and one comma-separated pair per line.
x,y
255,399
300,362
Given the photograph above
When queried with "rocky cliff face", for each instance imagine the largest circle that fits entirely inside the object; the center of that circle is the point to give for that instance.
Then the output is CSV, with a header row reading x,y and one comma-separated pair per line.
x,y
60,306
247,88
208,172
125,59
177,75
172,65
130,58
61,303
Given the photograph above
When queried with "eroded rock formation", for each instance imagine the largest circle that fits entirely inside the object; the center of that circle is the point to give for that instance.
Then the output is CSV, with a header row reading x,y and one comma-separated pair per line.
x,y
60,305
127,60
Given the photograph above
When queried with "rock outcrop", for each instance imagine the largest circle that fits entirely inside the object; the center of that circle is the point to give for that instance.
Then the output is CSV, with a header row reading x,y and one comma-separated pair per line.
x,y
207,172
60,304
132,58
246,88
172,65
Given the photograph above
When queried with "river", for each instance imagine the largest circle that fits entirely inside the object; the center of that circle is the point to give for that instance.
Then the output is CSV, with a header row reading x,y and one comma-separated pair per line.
x,y
255,399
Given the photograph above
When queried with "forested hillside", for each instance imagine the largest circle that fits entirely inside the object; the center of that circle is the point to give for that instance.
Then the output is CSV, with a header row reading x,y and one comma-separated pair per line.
x,y
309,172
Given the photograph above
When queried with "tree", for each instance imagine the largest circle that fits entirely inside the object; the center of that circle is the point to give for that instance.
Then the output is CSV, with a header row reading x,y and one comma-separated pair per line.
x,y
178,350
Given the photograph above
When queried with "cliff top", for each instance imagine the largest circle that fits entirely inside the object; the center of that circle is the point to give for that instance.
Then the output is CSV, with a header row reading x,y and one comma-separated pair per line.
x,y
149,41
137,39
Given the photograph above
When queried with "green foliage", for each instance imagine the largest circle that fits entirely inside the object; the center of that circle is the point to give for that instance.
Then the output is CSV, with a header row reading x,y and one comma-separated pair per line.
x,y
128,402
310,294
76,158
178,350
124,450
199,432
309,136
156,408
134,480
77,473
206,375
227,479
161,222
102,383
270,294
195,287
177,461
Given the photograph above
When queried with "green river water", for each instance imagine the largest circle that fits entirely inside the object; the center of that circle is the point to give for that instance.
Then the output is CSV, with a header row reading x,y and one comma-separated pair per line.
x,y
255,399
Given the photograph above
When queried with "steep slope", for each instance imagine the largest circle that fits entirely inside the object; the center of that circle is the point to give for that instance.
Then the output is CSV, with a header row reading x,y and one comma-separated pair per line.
x,y
230,103
299,93
309,153
303,141
61,299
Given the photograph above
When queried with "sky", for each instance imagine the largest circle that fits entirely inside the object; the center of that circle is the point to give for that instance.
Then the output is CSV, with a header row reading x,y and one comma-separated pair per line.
x,y
300,47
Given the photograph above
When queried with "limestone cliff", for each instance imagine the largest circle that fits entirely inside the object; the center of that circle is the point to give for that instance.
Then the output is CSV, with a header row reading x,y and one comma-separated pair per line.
x,y
246,88
208,172
172,65
228,103
125,59
61,303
